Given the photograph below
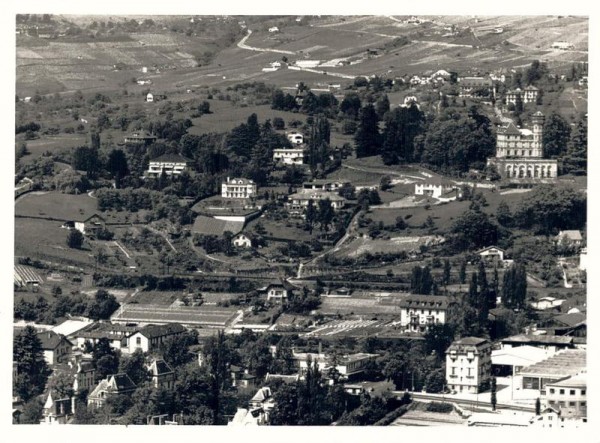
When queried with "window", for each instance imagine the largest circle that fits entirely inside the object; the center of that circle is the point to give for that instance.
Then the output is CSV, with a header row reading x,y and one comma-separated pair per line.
x,y
562,391
583,404
572,392
138,341
571,403
551,390
583,392
551,402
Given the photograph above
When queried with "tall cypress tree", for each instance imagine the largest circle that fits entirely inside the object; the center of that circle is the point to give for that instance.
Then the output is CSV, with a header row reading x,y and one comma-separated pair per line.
x,y
32,369
367,138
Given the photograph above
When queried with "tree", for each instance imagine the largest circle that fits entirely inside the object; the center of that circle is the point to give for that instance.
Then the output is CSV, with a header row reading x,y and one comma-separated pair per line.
x,y
367,138
31,367
435,381
514,287
538,406
103,305
555,137
503,214
447,272
32,412
438,338
74,239
462,273
575,160
421,280
135,367
382,106
286,406
402,127
325,214
117,163
473,230
61,385
175,350
493,394
104,358
535,72
385,183
351,105
310,215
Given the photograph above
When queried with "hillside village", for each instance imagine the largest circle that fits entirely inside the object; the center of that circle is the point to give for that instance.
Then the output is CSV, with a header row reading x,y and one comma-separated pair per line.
x,y
322,237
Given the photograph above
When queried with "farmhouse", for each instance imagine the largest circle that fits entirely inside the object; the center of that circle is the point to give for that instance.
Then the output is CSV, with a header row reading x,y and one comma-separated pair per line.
x,y
492,254
56,347
519,152
547,303
289,156
468,85
571,238
150,337
91,225
170,164
149,98
299,201
468,364
417,312
277,290
238,188
308,63
113,385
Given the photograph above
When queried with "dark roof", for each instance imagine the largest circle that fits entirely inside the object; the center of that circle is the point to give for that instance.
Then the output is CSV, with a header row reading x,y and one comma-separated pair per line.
x,y
160,367
573,319
490,247
94,216
211,226
172,158
123,382
472,341
50,340
511,129
424,301
153,331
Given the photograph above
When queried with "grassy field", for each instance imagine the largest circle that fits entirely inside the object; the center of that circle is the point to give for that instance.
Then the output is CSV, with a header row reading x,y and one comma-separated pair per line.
x,y
55,145
56,205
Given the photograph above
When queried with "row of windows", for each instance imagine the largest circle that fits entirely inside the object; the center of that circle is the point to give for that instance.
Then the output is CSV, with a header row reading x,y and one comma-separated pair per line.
x,y
564,403
571,391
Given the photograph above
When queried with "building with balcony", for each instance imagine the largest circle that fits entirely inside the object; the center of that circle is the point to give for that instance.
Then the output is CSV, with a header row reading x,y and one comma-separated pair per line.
x,y
238,188
469,364
418,312
289,156
170,164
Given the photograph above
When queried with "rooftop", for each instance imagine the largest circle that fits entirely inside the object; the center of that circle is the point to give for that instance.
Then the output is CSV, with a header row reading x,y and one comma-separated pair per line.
x,y
540,339
564,363
425,301
153,331
50,339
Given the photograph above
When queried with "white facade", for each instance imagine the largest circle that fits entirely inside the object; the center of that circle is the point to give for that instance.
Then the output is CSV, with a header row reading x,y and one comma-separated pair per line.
x,y
238,188
432,189
289,156
149,98
299,201
276,293
418,312
295,138
568,397
156,168
242,241
492,253
468,364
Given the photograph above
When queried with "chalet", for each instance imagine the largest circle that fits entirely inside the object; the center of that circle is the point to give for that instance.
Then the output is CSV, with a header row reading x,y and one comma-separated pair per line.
x,y
162,375
468,364
150,337
113,385
170,164
277,290
91,225
417,312
238,188
56,347
492,254
139,138
289,156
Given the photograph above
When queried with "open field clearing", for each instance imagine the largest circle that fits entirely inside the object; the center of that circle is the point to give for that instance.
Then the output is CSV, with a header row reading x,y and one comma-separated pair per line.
x,y
54,144
364,245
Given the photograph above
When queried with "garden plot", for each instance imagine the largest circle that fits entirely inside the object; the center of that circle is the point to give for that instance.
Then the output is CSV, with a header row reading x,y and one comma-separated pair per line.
x,y
364,245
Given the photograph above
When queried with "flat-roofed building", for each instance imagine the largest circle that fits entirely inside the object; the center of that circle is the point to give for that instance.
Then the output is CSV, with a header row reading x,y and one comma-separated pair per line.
x,y
568,396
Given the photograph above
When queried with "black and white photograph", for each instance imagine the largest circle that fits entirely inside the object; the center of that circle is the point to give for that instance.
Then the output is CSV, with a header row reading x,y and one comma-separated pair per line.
x,y
303,219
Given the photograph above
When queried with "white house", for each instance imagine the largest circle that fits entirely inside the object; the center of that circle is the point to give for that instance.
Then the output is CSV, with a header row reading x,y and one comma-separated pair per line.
x,y
276,291
295,138
468,364
274,29
434,188
170,164
238,188
568,397
492,254
299,201
418,312
547,303
90,225
289,156
113,385
151,337
242,240
56,347
583,259
149,98
162,375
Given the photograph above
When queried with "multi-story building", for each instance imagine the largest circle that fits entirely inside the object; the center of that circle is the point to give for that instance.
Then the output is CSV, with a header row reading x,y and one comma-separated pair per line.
x,y
238,188
289,156
468,364
468,85
519,152
162,375
568,396
418,312
299,201
527,95
170,164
